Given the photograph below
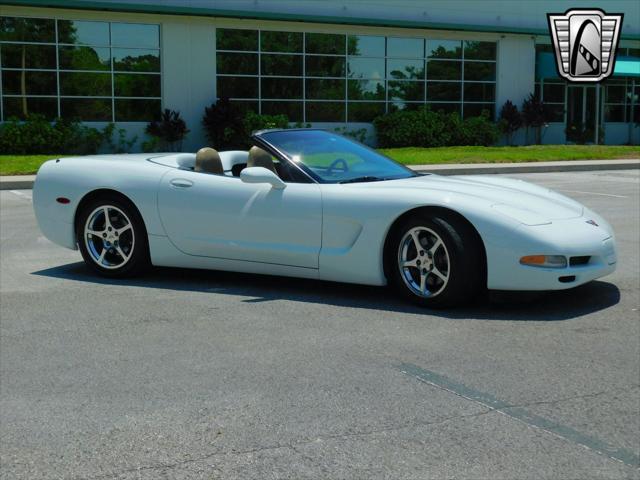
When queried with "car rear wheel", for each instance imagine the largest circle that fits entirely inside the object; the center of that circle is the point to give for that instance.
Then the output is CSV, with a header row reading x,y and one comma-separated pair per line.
x,y
435,261
112,238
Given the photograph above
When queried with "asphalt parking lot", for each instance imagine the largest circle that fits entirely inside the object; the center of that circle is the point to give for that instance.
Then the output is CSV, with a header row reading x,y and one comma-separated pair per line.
x,y
194,374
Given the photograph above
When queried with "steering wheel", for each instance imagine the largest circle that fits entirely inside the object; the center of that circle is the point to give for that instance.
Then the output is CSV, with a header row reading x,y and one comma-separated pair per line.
x,y
338,163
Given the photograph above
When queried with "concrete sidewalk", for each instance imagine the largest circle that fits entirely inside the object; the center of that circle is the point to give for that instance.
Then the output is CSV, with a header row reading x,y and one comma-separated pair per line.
x,y
20,182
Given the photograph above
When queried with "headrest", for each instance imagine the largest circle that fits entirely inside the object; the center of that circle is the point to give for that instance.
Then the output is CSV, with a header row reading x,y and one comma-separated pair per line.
x,y
208,161
259,158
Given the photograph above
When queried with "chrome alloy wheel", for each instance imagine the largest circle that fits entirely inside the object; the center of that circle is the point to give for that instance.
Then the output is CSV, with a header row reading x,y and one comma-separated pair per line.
x,y
109,237
424,262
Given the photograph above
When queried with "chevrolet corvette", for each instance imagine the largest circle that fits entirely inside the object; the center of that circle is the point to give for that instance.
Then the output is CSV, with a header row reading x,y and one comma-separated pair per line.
x,y
314,204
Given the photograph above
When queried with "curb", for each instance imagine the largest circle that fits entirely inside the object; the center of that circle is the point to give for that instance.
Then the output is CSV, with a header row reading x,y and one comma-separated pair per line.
x,y
25,182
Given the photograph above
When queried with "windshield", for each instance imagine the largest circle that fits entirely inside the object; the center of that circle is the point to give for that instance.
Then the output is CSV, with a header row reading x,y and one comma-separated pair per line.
x,y
332,158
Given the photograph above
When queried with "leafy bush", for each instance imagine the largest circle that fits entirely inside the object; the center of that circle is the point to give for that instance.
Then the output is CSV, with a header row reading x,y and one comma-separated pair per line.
x,y
37,135
253,122
227,128
535,114
223,125
120,144
510,120
167,133
425,128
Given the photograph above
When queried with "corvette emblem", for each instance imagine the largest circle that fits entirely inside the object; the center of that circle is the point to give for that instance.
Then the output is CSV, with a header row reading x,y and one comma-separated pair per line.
x,y
585,42
592,222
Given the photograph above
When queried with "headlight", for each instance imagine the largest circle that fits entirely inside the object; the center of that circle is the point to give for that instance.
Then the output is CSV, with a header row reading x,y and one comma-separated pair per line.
x,y
549,261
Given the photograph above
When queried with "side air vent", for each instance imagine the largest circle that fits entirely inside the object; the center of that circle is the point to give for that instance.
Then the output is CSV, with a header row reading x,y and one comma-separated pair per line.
x,y
577,261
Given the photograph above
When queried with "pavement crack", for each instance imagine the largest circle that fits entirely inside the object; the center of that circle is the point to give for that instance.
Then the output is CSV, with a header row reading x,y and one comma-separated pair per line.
x,y
294,446
571,397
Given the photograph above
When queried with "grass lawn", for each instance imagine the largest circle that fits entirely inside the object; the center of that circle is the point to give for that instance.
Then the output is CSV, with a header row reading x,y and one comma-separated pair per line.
x,y
28,164
533,153
23,164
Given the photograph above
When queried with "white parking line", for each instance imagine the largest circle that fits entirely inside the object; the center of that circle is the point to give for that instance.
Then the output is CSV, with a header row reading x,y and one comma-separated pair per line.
x,y
592,193
21,195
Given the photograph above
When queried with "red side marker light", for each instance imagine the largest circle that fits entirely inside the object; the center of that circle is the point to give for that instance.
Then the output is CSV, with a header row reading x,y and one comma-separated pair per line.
x,y
63,200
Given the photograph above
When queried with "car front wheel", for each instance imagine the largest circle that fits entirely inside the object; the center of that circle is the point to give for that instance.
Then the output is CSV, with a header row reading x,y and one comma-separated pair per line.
x,y
435,261
112,238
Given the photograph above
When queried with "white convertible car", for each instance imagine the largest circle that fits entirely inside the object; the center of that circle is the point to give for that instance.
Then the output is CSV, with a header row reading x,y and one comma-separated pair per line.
x,y
309,203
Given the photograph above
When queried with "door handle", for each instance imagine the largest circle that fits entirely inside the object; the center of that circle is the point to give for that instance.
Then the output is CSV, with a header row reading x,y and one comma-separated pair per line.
x,y
181,182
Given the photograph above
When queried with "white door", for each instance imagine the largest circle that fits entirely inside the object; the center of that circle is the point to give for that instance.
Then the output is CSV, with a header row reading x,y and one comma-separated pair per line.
x,y
221,216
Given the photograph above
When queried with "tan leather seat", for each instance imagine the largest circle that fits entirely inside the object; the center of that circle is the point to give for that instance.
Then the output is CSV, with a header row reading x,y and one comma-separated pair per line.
x,y
208,161
259,158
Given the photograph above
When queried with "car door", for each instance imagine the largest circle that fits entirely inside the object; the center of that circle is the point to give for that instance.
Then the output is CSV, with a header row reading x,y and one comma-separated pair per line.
x,y
221,216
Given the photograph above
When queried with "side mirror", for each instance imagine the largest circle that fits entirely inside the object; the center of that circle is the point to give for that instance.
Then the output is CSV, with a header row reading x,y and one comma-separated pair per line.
x,y
261,175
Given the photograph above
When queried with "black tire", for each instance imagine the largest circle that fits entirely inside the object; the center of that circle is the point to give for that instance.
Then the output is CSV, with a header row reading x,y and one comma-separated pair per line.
x,y
465,270
135,238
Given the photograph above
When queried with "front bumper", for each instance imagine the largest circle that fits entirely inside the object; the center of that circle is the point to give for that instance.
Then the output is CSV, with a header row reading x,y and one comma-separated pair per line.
x,y
570,238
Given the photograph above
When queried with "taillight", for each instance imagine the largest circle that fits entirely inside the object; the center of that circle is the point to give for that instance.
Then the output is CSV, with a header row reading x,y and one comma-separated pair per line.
x,y
63,200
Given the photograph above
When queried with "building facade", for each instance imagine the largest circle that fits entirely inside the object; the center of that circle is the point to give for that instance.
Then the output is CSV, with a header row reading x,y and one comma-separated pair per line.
x,y
334,64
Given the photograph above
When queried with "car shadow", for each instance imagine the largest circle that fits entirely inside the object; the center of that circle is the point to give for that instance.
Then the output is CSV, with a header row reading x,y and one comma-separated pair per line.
x,y
509,306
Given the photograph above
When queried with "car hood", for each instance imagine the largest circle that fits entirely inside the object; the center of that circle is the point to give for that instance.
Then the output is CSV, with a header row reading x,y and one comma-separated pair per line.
x,y
528,203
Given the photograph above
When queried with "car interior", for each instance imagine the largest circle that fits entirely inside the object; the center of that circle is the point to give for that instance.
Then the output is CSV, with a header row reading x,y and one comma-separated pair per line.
x,y
209,161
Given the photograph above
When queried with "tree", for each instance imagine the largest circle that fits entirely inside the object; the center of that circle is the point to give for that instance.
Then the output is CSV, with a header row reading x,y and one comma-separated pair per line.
x,y
535,114
510,120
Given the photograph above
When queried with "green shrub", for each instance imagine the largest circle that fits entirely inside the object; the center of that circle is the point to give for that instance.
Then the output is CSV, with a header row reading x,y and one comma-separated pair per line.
x,y
423,127
167,133
227,128
37,135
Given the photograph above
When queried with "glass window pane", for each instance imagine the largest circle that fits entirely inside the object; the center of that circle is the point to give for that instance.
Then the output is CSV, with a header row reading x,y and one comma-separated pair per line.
x,y
245,106
364,111
366,68
83,33
324,66
613,94
85,84
476,109
325,89
439,91
408,91
366,45
479,92
136,60
33,56
282,88
325,43
87,109
395,106
84,58
21,107
325,112
405,47
137,35
281,42
479,71
553,93
237,63
293,110
239,87
479,50
614,113
445,107
366,90
444,48
17,29
137,110
405,69
556,112
132,85
233,39
287,65
35,83
444,70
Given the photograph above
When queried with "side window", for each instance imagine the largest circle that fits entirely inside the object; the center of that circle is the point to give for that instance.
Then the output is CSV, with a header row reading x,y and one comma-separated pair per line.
x,y
289,173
